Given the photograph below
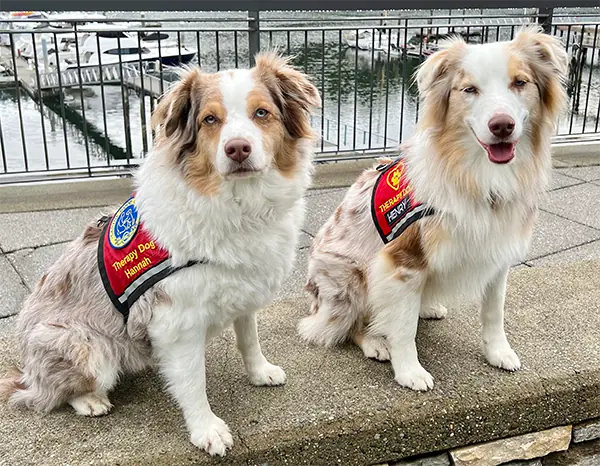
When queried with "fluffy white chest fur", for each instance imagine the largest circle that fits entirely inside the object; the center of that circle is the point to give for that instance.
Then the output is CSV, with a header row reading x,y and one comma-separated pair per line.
x,y
247,236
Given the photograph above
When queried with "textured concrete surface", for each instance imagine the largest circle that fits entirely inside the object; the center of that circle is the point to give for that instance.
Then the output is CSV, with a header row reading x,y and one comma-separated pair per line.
x,y
33,229
12,289
33,263
63,194
578,203
591,173
587,251
561,180
339,408
320,207
554,233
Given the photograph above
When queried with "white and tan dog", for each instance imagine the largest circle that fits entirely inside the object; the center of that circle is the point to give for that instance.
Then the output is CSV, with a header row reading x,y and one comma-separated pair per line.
x,y
222,194
479,161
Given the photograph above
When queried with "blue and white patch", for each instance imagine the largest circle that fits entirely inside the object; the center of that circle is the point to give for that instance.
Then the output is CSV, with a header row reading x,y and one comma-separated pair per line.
x,y
124,224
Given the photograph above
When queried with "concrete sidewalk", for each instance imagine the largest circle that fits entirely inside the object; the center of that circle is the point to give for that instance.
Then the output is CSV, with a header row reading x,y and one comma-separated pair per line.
x,y
337,407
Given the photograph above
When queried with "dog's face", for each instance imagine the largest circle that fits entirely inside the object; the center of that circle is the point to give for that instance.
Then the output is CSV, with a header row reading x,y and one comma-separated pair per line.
x,y
495,94
236,124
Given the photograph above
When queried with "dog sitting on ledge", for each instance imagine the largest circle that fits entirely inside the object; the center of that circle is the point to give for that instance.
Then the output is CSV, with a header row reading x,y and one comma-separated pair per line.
x,y
452,214
205,241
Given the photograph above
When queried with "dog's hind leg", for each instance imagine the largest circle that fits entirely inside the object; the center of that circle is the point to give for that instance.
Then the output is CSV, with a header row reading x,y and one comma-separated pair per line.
x,y
433,311
373,347
68,364
339,290
330,325
91,404
49,382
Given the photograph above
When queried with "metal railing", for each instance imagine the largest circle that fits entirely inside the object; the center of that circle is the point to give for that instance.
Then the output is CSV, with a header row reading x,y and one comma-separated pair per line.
x,y
70,105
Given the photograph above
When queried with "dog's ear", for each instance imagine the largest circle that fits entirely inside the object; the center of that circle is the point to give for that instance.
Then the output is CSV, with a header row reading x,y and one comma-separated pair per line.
x,y
433,70
549,63
175,118
434,79
291,90
543,48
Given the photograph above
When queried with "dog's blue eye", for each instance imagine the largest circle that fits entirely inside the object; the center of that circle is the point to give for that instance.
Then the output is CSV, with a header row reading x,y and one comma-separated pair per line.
x,y
261,113
470,90
210,120
520,83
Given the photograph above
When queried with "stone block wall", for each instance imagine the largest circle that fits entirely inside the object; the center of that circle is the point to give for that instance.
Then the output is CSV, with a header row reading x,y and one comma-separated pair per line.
x,y
577,445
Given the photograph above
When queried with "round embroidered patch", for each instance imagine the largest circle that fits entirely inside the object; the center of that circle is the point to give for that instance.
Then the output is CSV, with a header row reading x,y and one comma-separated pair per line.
x,y
124,225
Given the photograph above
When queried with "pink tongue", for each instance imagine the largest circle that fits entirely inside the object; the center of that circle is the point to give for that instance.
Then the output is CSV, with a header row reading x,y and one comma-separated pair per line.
x,y
502,152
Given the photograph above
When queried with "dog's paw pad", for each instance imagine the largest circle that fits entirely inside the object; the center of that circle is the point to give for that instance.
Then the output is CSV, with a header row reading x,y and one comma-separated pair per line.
x,y
503,357
214,438
91,405
415,378
376,348
437,311
267,374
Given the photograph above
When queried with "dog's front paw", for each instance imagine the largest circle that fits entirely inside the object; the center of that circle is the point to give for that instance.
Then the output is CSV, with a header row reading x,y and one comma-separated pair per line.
x,y
502,356
213,437
267,374
435,311
415,378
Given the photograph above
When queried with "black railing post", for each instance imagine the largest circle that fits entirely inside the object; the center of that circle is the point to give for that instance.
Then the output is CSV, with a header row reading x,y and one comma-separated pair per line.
x,y
545,18
253,35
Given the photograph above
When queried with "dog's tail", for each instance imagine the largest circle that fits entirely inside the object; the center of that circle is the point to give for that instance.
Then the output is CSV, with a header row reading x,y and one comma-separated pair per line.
x,y
339,302
10,384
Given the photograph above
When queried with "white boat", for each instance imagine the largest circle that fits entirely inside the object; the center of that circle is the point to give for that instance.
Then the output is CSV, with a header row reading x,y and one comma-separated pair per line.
x,y
109,47
365,40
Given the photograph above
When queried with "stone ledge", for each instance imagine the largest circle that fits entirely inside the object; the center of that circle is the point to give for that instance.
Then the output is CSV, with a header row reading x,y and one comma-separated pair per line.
x,y
339,408
522,447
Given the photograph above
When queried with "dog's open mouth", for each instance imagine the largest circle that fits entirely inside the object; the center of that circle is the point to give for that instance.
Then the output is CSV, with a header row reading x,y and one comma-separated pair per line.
x,y
502,152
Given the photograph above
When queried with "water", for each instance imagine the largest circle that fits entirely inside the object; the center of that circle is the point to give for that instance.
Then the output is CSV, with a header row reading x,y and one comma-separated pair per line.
x,y
365,92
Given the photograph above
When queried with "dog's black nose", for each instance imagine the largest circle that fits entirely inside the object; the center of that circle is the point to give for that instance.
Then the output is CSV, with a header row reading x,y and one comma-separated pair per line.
x,y
238,149
501,125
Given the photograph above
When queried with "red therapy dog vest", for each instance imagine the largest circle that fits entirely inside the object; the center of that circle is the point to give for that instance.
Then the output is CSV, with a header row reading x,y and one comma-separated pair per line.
x,y
393,205
129,259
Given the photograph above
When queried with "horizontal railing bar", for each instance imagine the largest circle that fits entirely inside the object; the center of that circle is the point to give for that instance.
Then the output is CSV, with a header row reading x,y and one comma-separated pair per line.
x,y
282,19
122,20
411,18
403,27
121,29
290,28
275,5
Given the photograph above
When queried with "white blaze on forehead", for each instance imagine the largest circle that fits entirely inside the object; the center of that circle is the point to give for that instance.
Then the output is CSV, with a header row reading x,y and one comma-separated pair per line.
x,y
487,64
235,87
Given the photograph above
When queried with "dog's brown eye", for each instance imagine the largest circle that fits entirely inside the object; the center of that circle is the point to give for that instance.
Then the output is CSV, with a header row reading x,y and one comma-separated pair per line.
x,y
210,120
519,83
261,113
470,90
